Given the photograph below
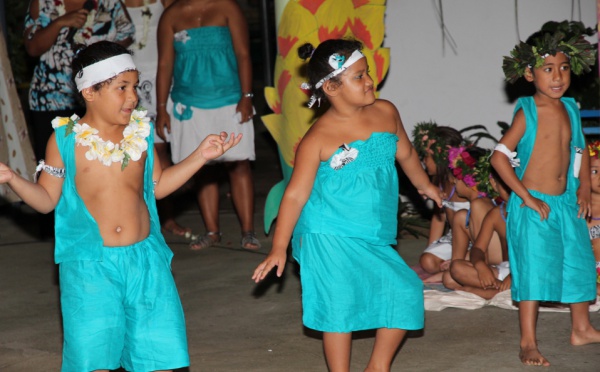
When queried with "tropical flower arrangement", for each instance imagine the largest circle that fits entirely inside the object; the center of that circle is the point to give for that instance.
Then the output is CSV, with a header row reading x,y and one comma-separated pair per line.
x,y
424,138
594,149
483,174
129,148
462,165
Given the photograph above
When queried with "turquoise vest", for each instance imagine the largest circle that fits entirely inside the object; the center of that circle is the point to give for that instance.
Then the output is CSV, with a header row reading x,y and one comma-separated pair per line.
x,y
525,145
77,236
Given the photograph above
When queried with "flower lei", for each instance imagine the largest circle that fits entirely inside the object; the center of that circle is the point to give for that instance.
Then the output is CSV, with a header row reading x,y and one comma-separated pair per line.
x,y
146,15
594,149
462,165
565,37
87,30
129,148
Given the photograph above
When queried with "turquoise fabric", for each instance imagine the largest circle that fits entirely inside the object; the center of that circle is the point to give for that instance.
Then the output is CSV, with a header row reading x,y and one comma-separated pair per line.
x,y
122,311
550,260
77,236
205,72
352,279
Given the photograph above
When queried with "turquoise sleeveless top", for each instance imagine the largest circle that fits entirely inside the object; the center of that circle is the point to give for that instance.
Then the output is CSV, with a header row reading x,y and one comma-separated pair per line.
x,y
525,145
205,72
360,199
77,236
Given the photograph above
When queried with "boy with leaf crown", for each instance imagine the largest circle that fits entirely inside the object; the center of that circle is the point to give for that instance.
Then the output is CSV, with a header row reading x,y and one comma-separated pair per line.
x,y
549,247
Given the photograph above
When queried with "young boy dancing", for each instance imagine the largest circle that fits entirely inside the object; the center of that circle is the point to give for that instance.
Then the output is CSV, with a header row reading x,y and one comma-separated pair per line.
x,y
119,303
549,247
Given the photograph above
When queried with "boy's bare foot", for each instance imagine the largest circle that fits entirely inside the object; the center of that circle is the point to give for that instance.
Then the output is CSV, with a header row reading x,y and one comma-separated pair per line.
x,y
532,357
435,278
588,336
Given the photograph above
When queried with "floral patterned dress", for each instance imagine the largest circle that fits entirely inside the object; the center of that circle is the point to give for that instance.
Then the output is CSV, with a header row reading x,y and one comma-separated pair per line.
x,y
51,86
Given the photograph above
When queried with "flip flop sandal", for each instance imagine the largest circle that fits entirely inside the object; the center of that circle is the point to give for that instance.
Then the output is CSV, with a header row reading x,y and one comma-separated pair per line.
x,y
249,239
211,238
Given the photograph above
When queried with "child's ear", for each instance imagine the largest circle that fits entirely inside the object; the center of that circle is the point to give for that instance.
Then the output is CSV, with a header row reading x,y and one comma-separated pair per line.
x,y
331,88
528,74
88,94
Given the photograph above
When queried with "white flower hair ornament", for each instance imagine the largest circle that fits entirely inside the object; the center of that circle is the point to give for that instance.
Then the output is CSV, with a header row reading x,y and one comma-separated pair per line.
x,y
339,63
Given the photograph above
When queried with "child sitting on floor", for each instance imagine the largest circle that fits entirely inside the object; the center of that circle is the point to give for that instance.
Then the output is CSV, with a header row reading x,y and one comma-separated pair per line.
x,y
487,271
432,143
594,220
462,162
101,176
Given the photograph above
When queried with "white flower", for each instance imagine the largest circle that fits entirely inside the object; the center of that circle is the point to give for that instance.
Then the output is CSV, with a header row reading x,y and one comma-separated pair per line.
x,y
182,36
84,134
348,155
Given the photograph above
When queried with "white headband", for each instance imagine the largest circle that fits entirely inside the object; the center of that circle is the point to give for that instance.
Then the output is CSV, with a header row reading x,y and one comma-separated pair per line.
x,y
104,70
339,63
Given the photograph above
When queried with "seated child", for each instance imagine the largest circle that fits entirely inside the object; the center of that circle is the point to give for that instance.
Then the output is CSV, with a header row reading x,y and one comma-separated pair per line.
x,y
462,163
432,143
594,220
119,302
487,271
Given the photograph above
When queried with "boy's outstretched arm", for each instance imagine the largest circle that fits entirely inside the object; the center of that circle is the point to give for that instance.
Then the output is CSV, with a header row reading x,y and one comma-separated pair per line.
x,y
173,177
502,165
43,195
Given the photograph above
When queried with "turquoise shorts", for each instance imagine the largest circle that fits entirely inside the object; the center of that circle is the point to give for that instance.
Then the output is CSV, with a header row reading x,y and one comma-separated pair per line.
x,y
550,260
123,311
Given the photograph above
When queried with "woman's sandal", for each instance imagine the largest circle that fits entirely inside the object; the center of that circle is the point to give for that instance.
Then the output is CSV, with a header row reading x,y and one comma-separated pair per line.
x,y
204,241
249,241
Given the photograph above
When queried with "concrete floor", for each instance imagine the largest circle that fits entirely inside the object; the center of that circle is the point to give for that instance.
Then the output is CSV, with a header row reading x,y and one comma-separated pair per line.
x,y
235,325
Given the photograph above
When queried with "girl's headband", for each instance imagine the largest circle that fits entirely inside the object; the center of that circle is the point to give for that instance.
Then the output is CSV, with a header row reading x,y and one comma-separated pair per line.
x,y
339,64
103,70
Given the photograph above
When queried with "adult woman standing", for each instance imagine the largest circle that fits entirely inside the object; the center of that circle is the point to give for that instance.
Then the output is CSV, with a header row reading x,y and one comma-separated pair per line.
x,y
52,29
203,50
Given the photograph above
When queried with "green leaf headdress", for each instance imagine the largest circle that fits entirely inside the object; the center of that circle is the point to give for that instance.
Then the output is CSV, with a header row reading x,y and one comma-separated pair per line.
x,y
565,37
483,172
424,136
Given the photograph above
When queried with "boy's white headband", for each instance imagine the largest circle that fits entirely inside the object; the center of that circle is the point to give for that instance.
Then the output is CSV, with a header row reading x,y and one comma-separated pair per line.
x,y
104,70
339,63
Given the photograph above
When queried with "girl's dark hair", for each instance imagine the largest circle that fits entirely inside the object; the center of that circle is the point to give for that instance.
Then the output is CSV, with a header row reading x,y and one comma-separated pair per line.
x,y
451,138
90,54
318,66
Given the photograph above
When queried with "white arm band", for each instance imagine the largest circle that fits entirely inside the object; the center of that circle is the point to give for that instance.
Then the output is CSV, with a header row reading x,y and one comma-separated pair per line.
x,y
53,171
512,155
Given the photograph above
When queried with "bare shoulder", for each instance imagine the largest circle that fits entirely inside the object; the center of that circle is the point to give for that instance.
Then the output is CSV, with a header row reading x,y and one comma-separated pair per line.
x,y
386,107
481,205
386,115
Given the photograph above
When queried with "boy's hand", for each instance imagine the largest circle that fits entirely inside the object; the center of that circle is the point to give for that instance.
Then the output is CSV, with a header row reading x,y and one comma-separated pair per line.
x,y
537,205
505,284
584,203
272,260
215,145
6,174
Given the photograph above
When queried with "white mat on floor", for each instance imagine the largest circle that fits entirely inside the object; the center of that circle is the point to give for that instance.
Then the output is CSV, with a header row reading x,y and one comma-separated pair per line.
x,y
439,300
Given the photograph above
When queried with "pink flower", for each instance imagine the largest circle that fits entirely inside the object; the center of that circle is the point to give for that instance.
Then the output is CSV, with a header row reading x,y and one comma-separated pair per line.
x,y
469,180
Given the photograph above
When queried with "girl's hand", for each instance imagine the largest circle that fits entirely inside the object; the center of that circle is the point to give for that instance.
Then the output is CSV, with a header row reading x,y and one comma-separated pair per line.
x,y
486,278
445,265
215,145
537,205
162,120
433,193
584,203
244,107
6,174
272,260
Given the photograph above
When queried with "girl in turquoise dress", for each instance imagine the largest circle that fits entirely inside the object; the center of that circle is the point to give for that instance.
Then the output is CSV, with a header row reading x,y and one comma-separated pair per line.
x,y
341,206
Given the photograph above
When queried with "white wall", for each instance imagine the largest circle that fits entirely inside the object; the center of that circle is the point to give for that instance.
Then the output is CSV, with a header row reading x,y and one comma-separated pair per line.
x,y
466,88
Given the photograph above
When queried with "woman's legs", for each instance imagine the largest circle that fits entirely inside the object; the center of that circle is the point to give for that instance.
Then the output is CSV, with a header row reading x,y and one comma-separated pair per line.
x,y
242,193
208,198
337,348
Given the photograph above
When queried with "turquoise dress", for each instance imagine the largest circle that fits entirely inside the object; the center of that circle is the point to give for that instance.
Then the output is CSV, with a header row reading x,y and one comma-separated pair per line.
x,y
550,260
352,279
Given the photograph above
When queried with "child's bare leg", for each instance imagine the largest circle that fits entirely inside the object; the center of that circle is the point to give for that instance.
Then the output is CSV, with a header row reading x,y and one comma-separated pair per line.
x,y
528,314
464,274
386,345
582,332
430,263
337,347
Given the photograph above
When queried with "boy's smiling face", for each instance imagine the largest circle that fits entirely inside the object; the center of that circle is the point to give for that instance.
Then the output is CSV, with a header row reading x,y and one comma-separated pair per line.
x,y
116,100
553,78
